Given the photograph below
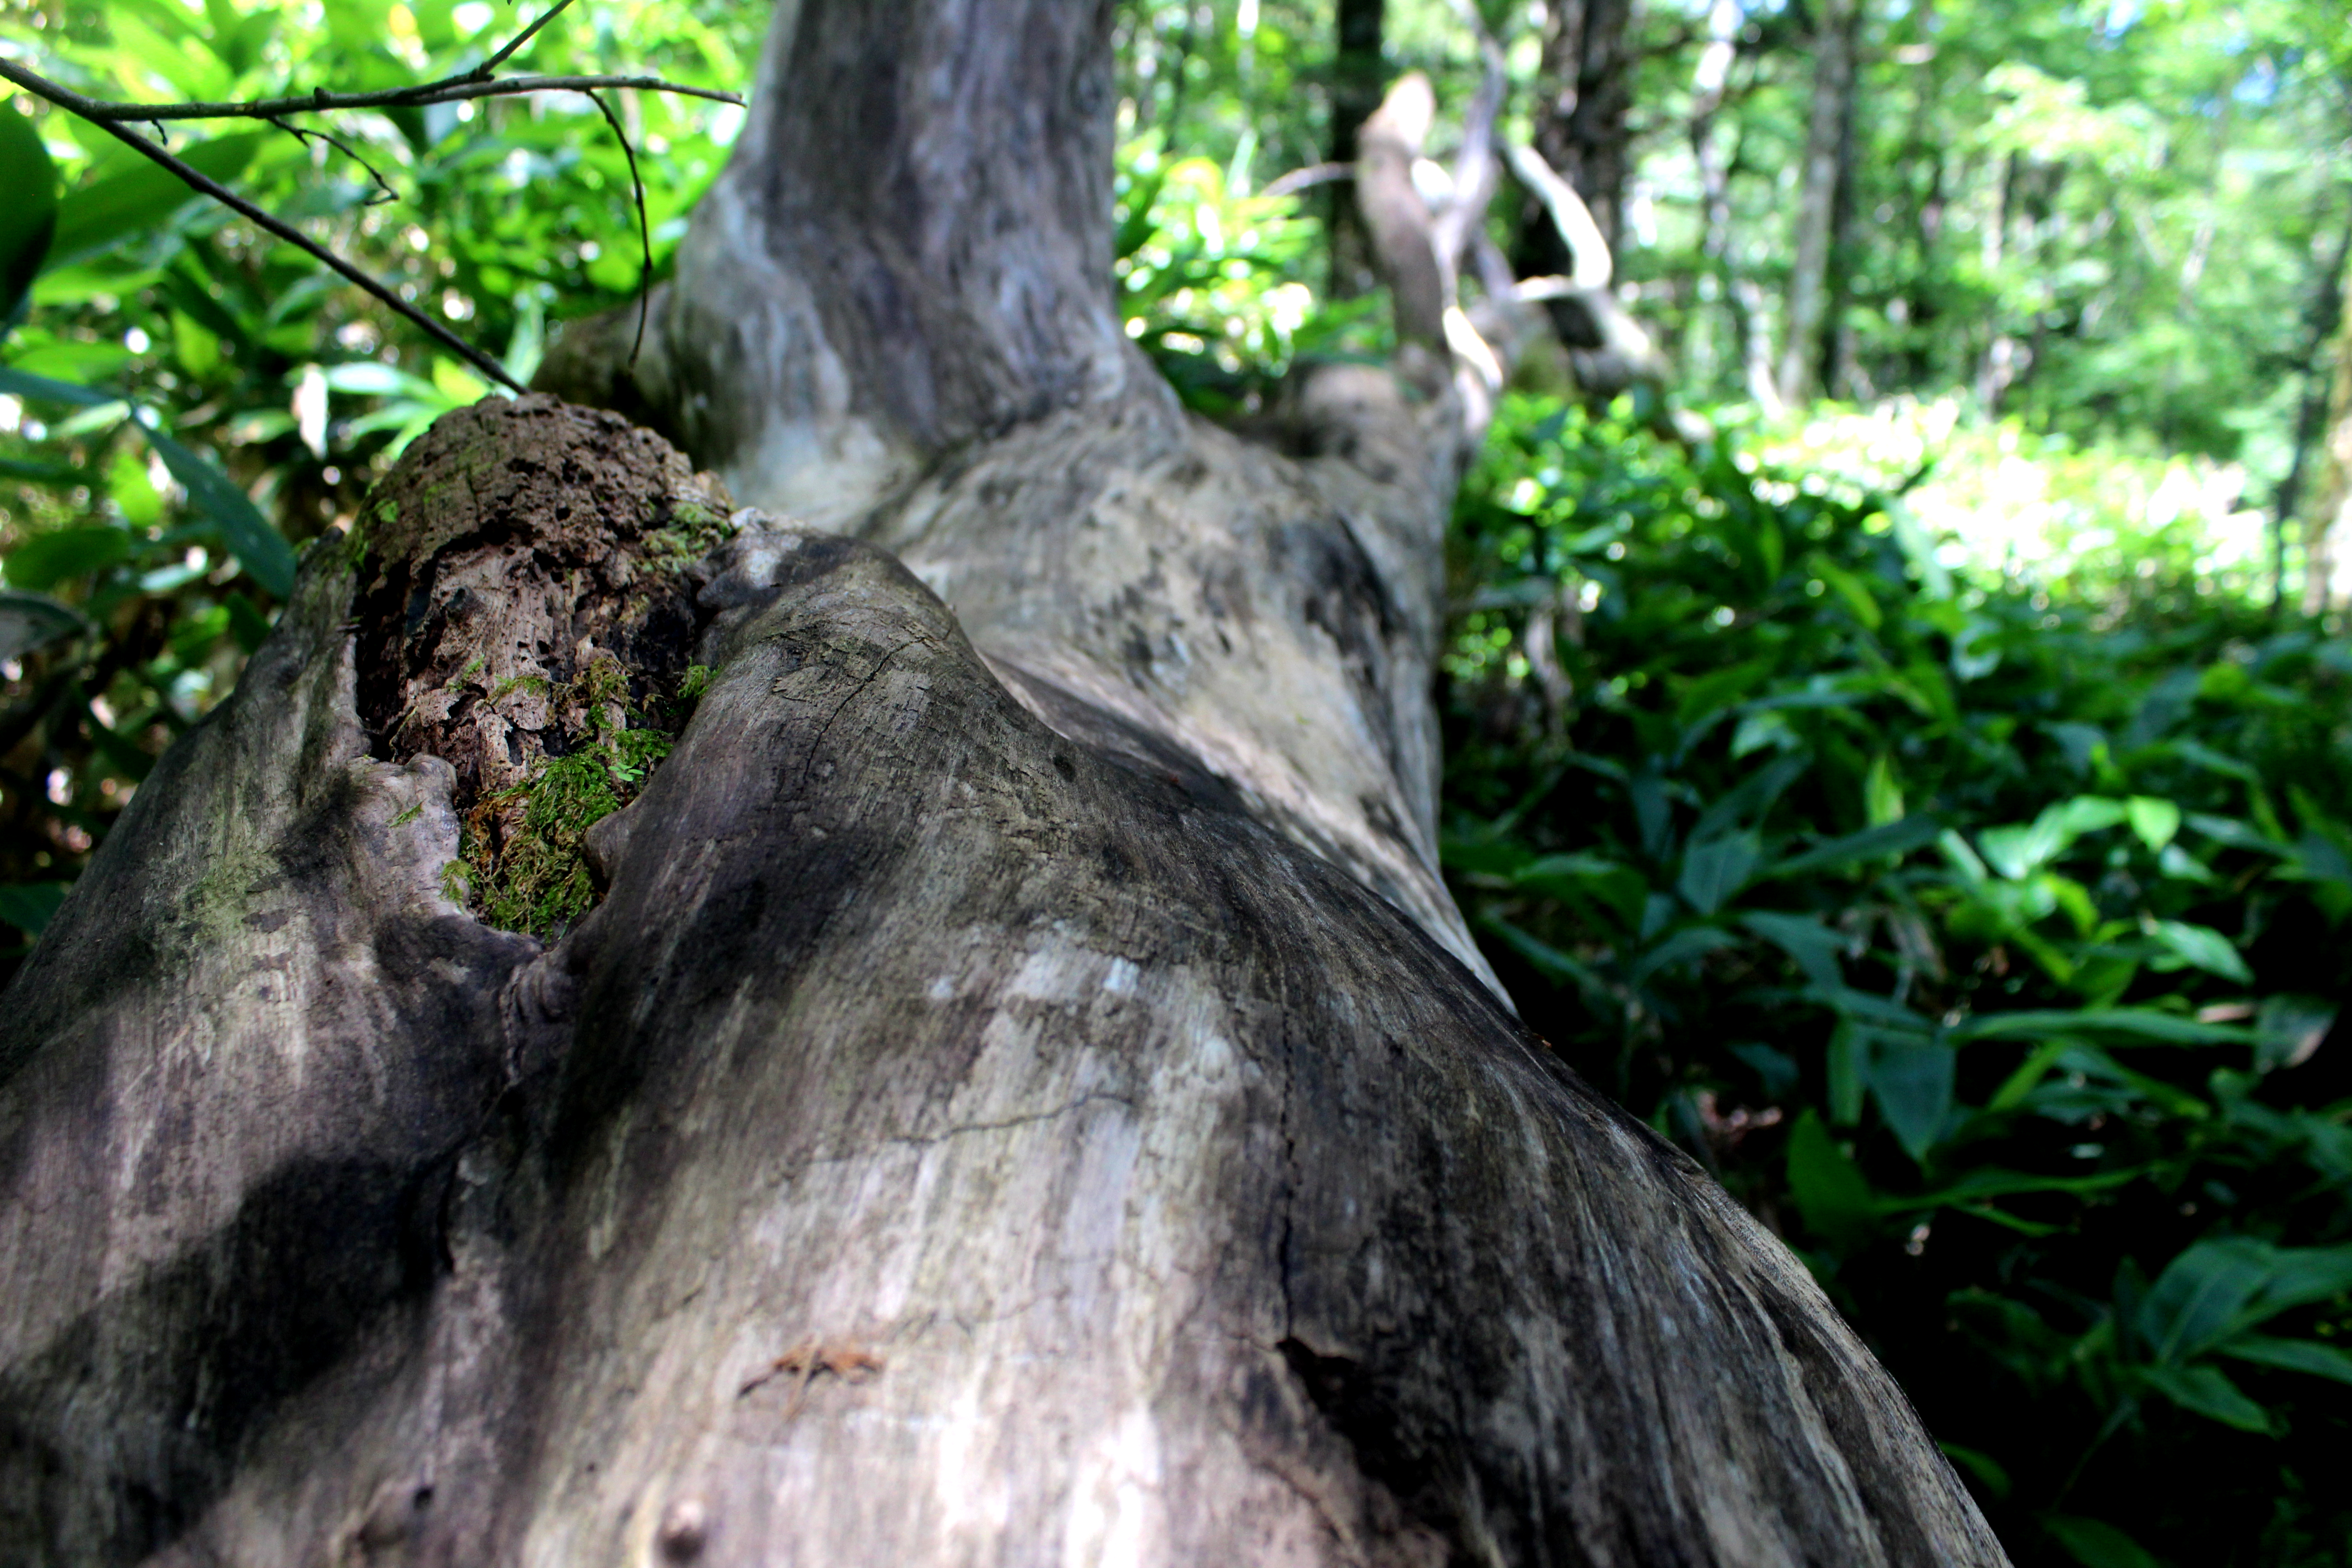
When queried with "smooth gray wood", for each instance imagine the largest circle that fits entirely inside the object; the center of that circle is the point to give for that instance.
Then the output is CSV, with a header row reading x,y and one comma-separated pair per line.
x,y
1025,1096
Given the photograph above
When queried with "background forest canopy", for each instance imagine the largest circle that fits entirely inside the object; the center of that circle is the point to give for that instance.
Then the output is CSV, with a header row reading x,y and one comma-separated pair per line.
x,y
1900,743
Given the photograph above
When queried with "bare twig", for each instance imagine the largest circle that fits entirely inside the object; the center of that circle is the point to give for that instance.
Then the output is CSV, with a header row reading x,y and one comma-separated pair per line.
x,y
1313,174
483,71
197,181
103,111
384,192
645,229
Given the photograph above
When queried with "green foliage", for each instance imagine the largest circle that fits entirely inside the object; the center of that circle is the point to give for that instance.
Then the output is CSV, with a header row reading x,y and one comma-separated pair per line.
x,y
1209,281
1986,941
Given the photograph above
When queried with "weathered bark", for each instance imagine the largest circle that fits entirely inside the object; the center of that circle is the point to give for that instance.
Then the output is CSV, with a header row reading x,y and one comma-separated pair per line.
x,y
1835,32
1026,1095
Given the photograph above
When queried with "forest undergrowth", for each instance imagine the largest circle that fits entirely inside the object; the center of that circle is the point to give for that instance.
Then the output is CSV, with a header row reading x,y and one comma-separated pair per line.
x,y
1986,941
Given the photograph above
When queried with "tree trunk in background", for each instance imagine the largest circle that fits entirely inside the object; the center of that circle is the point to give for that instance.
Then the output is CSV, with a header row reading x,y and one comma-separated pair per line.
x,y
1834,38
1743,301
1026,1095
2331,512
1841,366
2321,380
1359,77
1584,93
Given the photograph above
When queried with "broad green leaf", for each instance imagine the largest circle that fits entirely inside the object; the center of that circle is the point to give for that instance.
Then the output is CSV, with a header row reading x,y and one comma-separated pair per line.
x,y
1684,946
1803,938
134,491
44,389
2125,1023
138,200
258,547
2200,947
2291,1355
2207,1391
1987,1469
2094,1543
1913,832
29,215
2155,821
1830,1193
1717,868
45,560
1911,1080
28,906
2220,1288
1994,1183
1882,793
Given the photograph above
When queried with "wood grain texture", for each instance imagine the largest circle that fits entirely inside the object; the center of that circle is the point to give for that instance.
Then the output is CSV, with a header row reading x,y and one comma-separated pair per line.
x,y
1025,1096
1194,1202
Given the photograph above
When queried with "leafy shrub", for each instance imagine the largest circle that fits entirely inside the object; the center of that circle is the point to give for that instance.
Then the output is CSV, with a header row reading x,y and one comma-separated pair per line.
x,y
1985,942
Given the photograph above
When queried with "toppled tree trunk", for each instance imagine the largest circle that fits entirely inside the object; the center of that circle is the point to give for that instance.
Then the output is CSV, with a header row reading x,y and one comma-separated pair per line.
x,y
1023,1094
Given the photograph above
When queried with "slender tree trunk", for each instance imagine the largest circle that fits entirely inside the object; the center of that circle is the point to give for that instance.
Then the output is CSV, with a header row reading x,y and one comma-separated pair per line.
x,y
2323,318
1359,77
2330,516
1842,372
1834,40
1743,301
1025,1095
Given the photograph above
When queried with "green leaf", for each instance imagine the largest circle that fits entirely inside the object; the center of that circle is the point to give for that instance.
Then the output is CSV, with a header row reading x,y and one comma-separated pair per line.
x,y
1987,1469
108,210
1717,868
2291,1355
2143,1024
2155,821
1813,945
1911,1081
1833,1194
43,389
1882,793
258,547
1870,844
28,906
2205,1391
2200,947
2094,1543
45,560
29,217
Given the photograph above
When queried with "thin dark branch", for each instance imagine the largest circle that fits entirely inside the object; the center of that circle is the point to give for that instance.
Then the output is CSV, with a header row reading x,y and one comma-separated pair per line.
x,y
645,229
383,186
197,181
483,71
100,110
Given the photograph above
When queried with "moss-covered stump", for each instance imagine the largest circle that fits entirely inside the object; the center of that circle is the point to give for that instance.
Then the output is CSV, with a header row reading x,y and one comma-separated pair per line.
x,y
525,615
